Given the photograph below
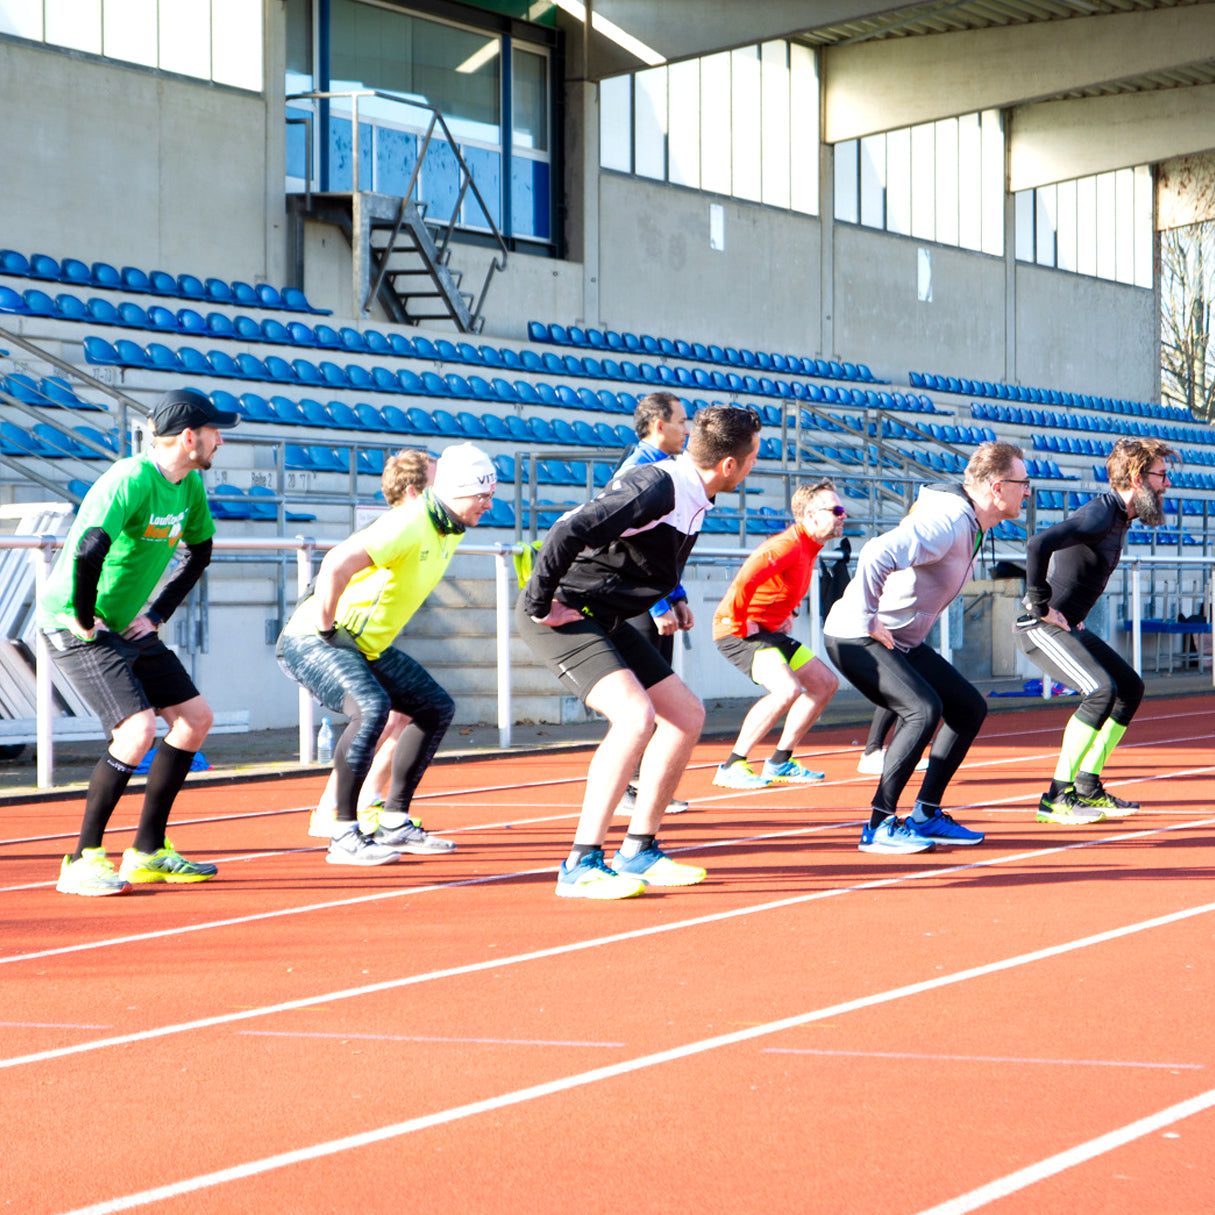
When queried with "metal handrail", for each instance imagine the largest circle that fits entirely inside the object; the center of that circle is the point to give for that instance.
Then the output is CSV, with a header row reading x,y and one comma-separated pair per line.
x,y
466,178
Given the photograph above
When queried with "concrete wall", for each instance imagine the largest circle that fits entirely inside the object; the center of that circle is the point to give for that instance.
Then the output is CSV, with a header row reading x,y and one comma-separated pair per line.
x,y
110,163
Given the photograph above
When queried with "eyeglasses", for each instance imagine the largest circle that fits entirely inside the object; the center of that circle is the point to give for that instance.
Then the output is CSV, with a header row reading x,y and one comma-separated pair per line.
x,y
838,511
1011,481
1163,474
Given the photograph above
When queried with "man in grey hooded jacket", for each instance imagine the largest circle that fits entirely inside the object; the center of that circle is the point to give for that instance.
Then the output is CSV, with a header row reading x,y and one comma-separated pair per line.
x,y
875,634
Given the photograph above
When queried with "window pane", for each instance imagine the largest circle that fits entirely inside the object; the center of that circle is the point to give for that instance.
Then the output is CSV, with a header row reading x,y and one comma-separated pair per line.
x,y
898,182
970,182
847,186
1144,227
804,150
1066,232
993,183
715,171
75,24
1086,225
774,123
1107,233
1124,212
1024,204
299,46
745,122
923,182
129,31
616,123
650,125
236,44
683,138
22,18
185,37
873,181
529,107
947,181
1044,237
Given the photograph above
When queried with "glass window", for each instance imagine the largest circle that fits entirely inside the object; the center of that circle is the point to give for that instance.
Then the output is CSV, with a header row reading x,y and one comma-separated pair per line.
x,y
993,182
970,182
1107,235
746,119
650,123
1024,202
873,181
1044,235
947,181
683,134
185,37
923,182
898,182
774,123
715,166
847,196
529,103
1086,228
1124,225
22,18
1145,223
616,123
129,32
299,46
75,24
1065,233
804,129
236,44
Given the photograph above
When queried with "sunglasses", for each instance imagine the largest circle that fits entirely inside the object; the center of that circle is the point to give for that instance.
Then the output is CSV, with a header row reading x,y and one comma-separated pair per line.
x,y
838,511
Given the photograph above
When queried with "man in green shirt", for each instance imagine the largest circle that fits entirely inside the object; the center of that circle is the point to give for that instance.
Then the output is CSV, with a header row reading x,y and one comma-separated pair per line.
x,y
338,645
104,639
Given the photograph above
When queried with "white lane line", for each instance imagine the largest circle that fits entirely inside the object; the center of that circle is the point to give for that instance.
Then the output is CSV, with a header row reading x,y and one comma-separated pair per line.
x,y
598,1075
284,1033
554,951
1080,1154
894,1054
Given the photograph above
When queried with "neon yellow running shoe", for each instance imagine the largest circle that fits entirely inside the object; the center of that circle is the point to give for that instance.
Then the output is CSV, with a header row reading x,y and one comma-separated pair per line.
x,y
93,874
164,865
655,868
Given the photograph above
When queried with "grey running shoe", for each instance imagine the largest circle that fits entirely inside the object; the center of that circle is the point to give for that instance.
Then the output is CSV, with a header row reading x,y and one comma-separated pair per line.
x,y
411,838
354,848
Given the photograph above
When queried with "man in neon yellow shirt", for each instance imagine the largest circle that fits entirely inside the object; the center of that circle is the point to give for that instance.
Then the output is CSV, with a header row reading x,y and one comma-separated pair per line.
x,y
338,645
104,641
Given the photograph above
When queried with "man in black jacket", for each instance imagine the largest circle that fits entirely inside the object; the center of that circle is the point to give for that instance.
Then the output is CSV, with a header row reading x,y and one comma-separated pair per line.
x,y
601,564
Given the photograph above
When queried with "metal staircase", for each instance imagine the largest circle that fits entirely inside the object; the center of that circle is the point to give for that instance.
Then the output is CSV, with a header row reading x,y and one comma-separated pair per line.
x,y
402,249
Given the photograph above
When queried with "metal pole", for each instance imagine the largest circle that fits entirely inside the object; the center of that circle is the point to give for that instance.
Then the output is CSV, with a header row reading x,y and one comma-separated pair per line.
x,y
44,696
1136,619
502,597
303,576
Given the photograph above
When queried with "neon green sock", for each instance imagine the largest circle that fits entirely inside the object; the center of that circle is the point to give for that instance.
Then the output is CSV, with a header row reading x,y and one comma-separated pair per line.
x,y
1102,746
1077,740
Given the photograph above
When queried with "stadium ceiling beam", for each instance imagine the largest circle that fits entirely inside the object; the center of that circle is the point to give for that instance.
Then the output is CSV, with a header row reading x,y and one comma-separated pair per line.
x,y
898,82
658,31
1059,140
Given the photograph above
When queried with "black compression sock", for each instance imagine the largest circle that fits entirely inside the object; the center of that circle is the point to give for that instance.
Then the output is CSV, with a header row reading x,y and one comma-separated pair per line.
x,y
1056,788
168,773
106,786
734,758
781,757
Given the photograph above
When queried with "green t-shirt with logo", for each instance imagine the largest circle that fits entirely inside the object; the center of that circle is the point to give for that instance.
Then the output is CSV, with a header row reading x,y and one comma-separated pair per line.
x,y
145,515
409,555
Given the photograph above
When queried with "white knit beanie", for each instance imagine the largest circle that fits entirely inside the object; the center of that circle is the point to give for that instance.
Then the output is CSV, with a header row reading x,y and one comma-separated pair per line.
x,y
463,471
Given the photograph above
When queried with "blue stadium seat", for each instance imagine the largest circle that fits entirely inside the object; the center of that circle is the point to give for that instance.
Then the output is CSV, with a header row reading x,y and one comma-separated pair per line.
x,y
316,413
328,371
224,364
447,424
287,411
370,416
418,421
385,381
278,333
472,425
495,428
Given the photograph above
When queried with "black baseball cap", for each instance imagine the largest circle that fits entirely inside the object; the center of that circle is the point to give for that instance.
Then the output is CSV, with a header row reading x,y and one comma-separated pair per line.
x,y
188,409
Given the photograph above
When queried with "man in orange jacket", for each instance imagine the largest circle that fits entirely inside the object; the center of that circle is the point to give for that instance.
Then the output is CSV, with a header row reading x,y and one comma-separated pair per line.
x,y
751,627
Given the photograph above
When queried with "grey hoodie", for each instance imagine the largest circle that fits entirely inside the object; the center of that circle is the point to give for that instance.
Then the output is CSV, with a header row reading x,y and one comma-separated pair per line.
x,y
909,576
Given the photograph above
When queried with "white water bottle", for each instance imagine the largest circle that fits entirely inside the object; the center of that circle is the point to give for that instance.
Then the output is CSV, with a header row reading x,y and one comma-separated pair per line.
x,y
324,742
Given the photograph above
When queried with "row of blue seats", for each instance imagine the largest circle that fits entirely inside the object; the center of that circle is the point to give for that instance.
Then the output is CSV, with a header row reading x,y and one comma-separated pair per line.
x,y
701,352
49,443
1097,447
74,272
1049,420
1045,396
188,360
47,392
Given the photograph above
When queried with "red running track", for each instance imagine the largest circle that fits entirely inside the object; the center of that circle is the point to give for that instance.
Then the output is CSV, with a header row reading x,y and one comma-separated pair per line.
x,y
1019,1027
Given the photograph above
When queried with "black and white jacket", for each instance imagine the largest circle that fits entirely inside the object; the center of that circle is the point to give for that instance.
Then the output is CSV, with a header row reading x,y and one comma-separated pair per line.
x,y
617,555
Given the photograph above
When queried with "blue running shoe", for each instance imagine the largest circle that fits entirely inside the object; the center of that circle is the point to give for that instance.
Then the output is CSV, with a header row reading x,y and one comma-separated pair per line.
x,y
738,775
891,835
789,773
941,829
655,868
592,879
